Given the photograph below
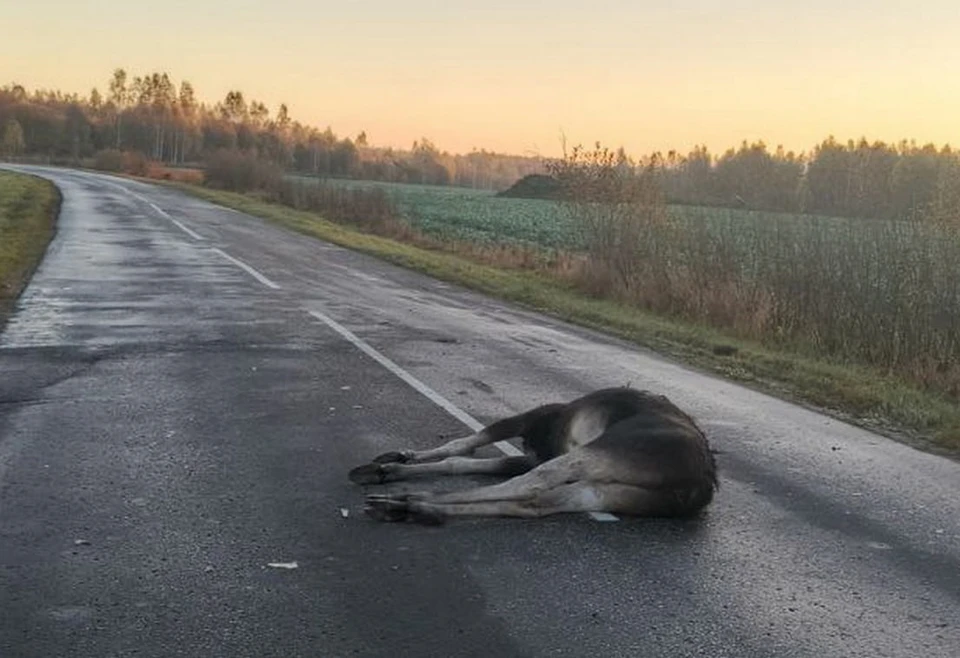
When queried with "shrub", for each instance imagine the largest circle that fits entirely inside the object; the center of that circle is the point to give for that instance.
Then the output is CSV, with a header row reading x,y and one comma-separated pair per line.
x,y
237,171
135,163
128,162
620,210
109,160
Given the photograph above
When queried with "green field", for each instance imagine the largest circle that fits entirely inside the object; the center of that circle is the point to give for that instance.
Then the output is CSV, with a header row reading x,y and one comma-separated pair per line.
x,y
481,216
751,247
478,215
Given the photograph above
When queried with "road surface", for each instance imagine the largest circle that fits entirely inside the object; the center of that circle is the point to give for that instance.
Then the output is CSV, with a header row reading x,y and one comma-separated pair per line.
x,y
176,414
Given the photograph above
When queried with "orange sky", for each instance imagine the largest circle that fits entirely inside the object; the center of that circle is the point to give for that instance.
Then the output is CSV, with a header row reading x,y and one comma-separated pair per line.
x,y
510,76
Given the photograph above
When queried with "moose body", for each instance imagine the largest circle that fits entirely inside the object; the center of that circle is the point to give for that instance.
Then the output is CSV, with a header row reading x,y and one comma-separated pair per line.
x,y
616,450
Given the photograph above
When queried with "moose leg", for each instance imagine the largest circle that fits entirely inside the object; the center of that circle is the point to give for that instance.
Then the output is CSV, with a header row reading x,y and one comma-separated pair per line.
x,y
501,430
528,486
455,448
563,469
564,498
391,472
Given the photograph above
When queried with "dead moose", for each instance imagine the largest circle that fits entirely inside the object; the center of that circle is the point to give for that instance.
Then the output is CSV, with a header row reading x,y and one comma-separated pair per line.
x,y
616,450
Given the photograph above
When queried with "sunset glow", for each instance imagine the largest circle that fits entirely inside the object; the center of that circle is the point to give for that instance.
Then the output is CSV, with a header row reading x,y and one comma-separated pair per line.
x,y
511,76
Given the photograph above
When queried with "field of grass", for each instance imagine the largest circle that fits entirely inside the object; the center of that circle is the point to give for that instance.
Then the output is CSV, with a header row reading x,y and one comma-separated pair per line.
x,y
481,216
879,398
456,213
28,212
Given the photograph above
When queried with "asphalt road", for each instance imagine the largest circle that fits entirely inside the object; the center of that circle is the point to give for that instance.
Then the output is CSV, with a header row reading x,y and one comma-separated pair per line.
x,y
171,423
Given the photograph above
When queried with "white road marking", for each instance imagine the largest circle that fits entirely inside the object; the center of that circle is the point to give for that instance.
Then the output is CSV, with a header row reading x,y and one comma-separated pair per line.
x,y
429,393
183,228
252,272
159,210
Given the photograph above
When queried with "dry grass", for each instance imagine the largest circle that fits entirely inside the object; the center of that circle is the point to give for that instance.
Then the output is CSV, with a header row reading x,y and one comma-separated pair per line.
x,y
187,175
881,294
136,164
620,209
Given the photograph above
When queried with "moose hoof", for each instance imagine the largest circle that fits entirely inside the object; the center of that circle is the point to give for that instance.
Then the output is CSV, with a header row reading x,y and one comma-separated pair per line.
x,y
426,516
388,510
394,457
402,507
368,474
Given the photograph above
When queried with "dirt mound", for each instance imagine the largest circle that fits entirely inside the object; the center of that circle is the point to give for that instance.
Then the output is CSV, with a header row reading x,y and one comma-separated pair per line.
x,y
535,186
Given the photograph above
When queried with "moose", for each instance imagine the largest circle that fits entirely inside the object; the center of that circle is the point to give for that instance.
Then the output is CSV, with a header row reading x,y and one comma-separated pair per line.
x,y
616,450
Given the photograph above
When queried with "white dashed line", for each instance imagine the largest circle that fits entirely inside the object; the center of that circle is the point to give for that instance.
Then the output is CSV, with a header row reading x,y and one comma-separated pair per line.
x,y
160,210
183,228
249,270
429,393
163,213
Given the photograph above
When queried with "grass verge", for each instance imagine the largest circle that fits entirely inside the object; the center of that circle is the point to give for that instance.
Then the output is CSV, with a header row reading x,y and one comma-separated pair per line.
x,y
856,394
28,215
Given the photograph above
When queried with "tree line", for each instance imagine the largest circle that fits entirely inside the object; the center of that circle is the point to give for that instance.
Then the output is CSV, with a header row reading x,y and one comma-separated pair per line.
x,y
166,122
872,180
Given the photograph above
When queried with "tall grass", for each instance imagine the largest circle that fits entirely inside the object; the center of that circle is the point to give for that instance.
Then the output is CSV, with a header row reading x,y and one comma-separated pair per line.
x,y
367,208
880,293
620,210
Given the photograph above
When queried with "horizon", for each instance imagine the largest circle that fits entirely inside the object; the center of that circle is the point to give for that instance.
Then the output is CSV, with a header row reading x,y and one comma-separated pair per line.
x,y
466,79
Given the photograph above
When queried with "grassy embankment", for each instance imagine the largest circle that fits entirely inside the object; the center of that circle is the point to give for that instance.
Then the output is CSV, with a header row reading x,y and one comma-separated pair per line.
x,y
28,214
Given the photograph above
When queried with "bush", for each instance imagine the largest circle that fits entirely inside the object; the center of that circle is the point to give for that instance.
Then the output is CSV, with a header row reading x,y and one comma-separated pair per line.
x,y
620,210
135,163
234,170
368,208
128,162
109,160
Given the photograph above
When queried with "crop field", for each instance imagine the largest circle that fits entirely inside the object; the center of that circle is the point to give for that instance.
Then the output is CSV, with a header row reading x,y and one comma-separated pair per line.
x,y
481,216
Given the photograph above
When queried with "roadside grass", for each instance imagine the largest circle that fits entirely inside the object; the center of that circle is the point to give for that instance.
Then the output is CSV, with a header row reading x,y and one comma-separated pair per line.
x,y
28,214
860,395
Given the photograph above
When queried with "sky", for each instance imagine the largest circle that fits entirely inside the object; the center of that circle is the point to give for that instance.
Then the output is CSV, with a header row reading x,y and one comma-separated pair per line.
x,y
515,76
